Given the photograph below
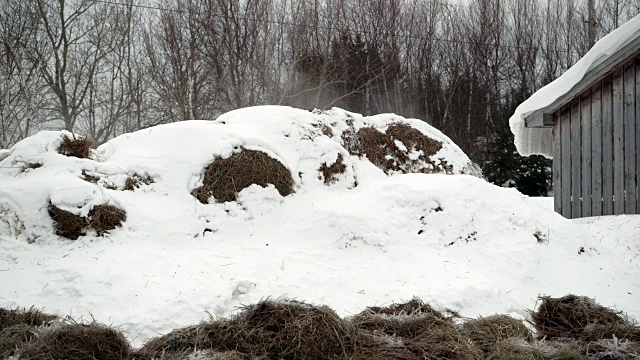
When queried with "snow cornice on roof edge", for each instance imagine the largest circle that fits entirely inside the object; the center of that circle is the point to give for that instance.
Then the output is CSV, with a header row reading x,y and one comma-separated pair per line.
x,y
532,121
544,117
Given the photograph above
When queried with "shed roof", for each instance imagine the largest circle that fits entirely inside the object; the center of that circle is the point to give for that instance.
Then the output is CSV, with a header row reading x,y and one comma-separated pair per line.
x,y
531,123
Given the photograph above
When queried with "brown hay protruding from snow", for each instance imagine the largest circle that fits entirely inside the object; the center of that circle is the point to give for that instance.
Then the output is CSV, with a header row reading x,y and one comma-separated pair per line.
x,y
89,178
329,172
380,149
78,341
106,217
581,318
135,181
486,332
76,146
414,139
67,224
225,178
102,218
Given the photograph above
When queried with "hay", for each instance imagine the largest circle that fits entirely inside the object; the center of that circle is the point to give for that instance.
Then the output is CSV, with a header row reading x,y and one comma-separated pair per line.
x,y
415,140
515,349
30,166
275,329
66,224
415,306
329,172
614,349
105,217
487,332
177,342
31,317
76,146
350,141
89,178
135,181
77,341
581,318
444,341
225,178
380,149
12,338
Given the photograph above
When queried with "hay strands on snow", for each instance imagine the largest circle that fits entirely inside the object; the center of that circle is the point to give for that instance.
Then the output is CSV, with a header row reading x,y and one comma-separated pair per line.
x,y
75,146
225,178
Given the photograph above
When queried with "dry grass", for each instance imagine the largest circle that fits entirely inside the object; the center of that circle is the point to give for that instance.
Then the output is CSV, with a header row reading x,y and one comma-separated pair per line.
x,y
487,332
75,146
89,178
31,317
77,341
380,149
329,172
579,317
414,139
105,217
13,338
516,349
102,218
225,178
135,181
295,330
30,166
66,224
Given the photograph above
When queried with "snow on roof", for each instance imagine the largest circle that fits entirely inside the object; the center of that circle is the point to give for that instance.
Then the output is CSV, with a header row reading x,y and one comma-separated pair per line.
x,y
539,140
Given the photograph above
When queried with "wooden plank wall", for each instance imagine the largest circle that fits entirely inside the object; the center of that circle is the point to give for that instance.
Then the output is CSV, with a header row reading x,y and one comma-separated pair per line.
x,y
557,162
597,148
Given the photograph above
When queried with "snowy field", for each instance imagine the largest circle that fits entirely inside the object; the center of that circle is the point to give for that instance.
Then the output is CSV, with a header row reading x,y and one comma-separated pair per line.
x,y
455,241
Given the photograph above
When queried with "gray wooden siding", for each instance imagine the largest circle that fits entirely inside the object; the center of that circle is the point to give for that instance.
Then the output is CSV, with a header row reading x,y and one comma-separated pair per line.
x,y
597,148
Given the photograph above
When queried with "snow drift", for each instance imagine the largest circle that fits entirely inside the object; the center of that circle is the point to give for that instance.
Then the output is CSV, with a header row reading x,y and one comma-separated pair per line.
x,y
370,235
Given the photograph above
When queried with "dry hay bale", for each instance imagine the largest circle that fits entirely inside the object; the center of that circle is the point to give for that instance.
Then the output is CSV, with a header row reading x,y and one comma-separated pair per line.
x,y
580,317
31,317
515,349
415,139
135,181
12,338
77,341
225,178
67,224
76,146
380,149
487,332
329,172
105,217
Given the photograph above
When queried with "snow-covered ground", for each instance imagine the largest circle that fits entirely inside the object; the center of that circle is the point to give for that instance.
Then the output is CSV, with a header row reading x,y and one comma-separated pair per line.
x,y
455,241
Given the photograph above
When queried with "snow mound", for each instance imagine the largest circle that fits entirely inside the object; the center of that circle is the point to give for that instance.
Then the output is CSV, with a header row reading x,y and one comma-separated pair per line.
x,y
171,159
530,141
363,238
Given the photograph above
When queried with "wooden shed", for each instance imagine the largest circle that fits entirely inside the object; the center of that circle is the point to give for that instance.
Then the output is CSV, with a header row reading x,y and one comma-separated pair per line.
x,y
596,138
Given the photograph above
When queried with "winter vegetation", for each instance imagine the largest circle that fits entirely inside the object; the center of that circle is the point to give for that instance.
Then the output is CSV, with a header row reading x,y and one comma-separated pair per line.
x,y
109,67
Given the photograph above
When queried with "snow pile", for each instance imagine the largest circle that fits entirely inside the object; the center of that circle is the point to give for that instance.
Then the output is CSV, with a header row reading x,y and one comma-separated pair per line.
x,y
366,238
531,141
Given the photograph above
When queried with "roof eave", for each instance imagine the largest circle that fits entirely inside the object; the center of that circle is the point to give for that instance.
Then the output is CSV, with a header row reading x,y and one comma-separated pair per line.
x,y
544,117
538,119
